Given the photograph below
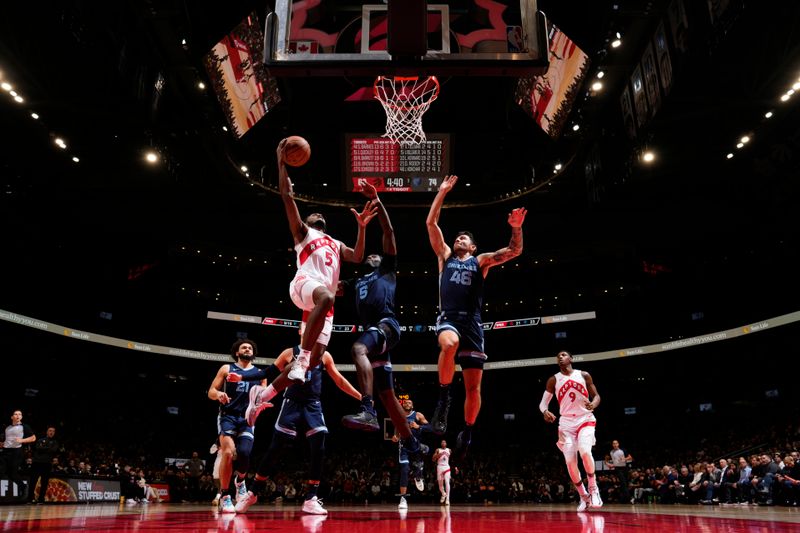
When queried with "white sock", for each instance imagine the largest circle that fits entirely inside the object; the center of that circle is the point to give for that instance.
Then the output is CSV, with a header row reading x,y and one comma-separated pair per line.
x,y
268,393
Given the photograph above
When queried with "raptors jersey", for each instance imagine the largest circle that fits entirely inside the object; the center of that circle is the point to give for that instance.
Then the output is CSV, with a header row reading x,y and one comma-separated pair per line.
x,y
318,258
444,457
572,395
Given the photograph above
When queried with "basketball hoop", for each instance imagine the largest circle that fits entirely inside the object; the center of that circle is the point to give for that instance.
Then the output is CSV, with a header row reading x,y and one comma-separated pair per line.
x,y
405,100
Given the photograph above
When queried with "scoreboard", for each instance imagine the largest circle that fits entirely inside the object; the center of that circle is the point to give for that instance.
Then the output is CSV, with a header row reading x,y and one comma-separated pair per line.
x,y
391,167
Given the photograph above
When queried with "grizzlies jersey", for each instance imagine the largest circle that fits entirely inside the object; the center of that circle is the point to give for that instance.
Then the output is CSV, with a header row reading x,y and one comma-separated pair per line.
x,y
375,292
461,288
312,388
238,392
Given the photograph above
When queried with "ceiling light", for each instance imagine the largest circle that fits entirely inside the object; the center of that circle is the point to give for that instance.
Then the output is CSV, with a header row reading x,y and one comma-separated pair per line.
x,y
745,139
796,86
224,128
244,168
12,93
34,116
183,42
151,157
616,43
600,74
596,86
576,127
468,184
739,145
618,35
768,114
201,85
648,157
729,156
75,159
60,142
785,97
558,166
18,99
6,86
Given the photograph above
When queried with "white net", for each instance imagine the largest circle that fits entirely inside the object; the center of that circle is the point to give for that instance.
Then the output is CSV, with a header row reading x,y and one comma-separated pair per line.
x,y
405,100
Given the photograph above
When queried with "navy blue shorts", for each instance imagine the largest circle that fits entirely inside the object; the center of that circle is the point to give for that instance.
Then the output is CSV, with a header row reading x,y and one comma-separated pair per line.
x,y
379,340
470,339
234,426
293,413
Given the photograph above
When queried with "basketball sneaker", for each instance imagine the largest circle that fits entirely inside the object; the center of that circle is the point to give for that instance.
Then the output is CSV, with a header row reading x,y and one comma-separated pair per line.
x,y
420,483
314,506
256,405
584,502
298,372
447,501
463,441
226,505
442,499
439,420
241,490
366,420
244,503
596,502
403,503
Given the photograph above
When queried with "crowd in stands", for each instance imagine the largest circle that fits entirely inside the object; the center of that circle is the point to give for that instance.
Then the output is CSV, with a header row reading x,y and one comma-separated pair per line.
x,y
764,471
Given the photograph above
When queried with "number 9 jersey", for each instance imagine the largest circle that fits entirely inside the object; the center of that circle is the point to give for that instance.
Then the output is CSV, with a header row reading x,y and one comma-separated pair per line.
x,y
572,396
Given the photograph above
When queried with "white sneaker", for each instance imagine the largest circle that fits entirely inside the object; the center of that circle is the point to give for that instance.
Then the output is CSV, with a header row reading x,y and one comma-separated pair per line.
x,y
314,506
584,502
420,483
226,505
403,503
447,501
442,499
596,502
298,372
256,405
244,503
241,490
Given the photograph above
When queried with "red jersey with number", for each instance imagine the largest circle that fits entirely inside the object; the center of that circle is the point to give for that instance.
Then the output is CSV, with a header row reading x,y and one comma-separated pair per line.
x,y
572,395
318,258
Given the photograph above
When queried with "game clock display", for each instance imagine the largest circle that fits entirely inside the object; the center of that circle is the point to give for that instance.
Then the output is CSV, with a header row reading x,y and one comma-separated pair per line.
x,y
391,167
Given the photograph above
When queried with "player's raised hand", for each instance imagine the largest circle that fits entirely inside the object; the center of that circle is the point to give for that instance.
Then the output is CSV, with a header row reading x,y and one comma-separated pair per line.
x,y
517,217
448,183
233,377
367,214
280,150
369,190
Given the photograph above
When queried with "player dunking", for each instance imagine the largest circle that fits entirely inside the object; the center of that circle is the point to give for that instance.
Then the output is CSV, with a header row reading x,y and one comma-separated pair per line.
x,y
442,459
577,400
458,327
313,288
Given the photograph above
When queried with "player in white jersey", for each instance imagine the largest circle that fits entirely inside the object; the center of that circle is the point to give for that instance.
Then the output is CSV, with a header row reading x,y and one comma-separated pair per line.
x,y
442,459
313,288
577,400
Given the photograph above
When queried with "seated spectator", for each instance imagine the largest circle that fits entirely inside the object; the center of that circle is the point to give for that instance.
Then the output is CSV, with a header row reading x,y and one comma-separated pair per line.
x,y
695,495
787,486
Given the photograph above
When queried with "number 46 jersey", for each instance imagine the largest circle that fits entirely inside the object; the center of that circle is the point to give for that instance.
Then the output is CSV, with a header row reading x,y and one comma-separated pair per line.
x,y
461,288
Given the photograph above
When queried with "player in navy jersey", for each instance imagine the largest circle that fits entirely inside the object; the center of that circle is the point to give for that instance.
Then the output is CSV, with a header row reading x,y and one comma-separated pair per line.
x,y
235,434
374,294
415,422
301,407
458,327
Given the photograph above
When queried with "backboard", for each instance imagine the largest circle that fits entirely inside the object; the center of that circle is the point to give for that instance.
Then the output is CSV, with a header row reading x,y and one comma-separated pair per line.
x,y
406,38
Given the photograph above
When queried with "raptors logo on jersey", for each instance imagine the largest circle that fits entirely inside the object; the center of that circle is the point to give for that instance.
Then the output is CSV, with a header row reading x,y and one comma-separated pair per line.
x,y
318,258
572,394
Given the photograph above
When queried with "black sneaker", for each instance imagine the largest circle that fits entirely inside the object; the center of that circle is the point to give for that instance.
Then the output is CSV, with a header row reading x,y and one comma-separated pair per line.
x,y
439,420
463,441
363,421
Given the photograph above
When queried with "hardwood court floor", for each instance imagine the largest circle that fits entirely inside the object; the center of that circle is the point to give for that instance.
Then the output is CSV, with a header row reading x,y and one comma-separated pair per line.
x,y
387,518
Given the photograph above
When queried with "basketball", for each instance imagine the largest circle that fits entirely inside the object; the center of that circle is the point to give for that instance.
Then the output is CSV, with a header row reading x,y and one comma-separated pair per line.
x,y
297,151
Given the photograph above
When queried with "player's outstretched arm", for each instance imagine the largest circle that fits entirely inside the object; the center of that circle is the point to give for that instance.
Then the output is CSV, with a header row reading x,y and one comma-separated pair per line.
x,y
296,224
338,378
389,243
435,235
356,254
514,248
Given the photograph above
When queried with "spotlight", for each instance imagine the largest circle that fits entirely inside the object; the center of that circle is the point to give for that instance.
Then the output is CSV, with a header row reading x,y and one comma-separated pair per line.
x,y
244,168
648,157
35,116
785,97
768,114
60,142
6,86
600,74
739,145
729,156
576,127
18,99
151,157
596,86
558,166
75,159
616,43
201,85
745,139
